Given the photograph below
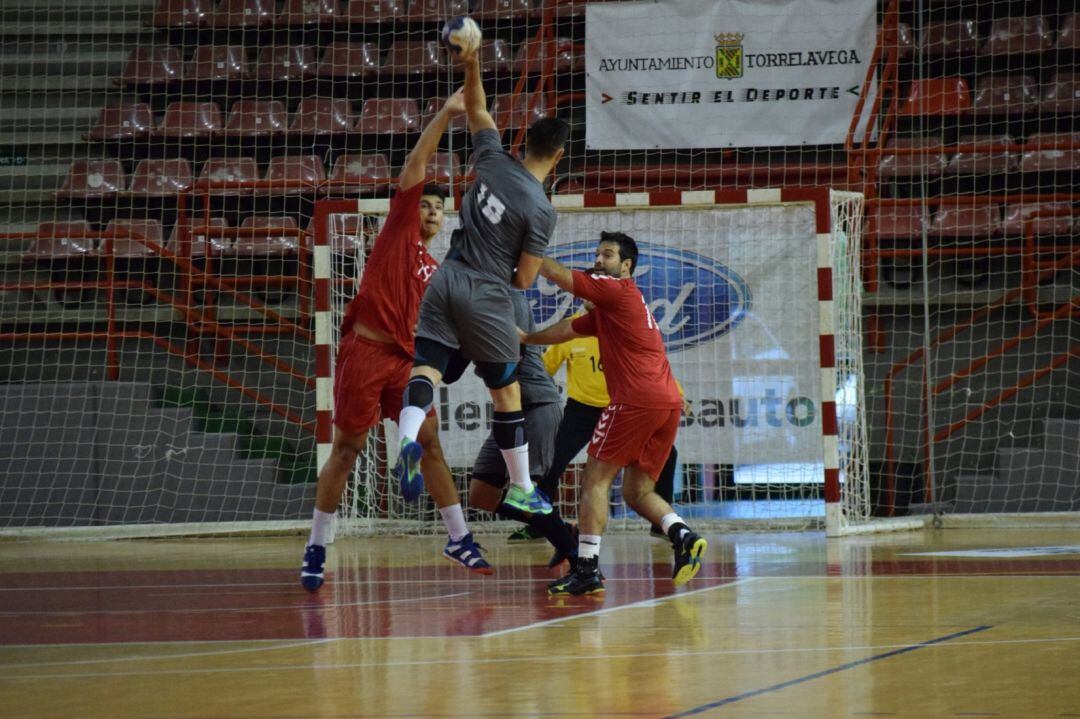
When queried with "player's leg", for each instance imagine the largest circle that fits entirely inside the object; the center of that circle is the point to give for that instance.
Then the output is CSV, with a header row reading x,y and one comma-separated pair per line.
x,y
417,401
665,487
584,576
460,546
508,429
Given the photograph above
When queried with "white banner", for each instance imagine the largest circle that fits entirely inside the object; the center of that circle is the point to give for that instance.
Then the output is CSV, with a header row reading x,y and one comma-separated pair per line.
x,y
724,73
734,291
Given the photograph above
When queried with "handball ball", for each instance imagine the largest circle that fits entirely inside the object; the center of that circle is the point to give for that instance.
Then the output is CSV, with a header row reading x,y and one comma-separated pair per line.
x,y
462,35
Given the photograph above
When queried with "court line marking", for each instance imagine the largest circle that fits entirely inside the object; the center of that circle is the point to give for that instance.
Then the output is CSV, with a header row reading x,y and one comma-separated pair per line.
x,y
825,672
181,655
301,607
599,612
8,677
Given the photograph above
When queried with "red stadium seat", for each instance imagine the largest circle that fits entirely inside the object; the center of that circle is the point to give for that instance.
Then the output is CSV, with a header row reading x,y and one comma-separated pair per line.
x,y
511,112
496,57
1065,159
125,244
93,179
1014,35
950,37
432,106
501,9
295,174
1069,34
375,11
389,116
443,167
307,13
567,59
244,13
965,221
61,241
348,234
286,62
1016,216
350,60
160,178
256,118
1005,95
413,57
272,244
991,162
182,13
156,65
217,62
905,41
122,122
900,223
929,163
197,227
1062,95
365,170
937,96
322,116
436,10
228,174
190,120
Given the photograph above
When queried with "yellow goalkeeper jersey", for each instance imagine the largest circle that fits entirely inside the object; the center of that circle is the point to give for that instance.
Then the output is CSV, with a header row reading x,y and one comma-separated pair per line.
x,y
585,381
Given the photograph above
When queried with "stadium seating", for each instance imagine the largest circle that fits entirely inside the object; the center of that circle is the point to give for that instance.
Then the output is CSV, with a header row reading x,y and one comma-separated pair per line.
x,y
900,223
1069,33
967,221
928,163
495,57
1005,95
1051,160
436,10
412,58
322,116
344,60
937,96
93,179
227,176
443,167
501,9
295,174
375,11
950,37
1014,35
1016,216
189,120
133,121
1062,95
991,161
244,13
60,240
160,178
273,244
286,62
124,234
511,112
182,13
432,106
256,118
360,172
152,65
307,13
217,62
199,238
389,116
531,56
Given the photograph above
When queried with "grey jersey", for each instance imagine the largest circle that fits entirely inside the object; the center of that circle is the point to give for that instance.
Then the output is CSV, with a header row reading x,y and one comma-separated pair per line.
x,y
504,213
537,386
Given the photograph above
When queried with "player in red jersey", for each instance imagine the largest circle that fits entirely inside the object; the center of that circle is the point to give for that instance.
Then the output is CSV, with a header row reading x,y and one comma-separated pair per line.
x,y
375,356
637,430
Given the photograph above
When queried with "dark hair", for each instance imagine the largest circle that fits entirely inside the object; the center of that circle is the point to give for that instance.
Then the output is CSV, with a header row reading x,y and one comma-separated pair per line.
x,y
432,188
627,247
546,136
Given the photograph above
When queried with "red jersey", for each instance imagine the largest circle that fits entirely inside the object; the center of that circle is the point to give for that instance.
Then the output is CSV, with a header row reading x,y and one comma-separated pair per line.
x,y
631,348
396,274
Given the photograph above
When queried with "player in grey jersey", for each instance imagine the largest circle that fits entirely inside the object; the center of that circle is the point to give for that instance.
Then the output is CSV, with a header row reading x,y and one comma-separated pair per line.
x,y
543,411
506,224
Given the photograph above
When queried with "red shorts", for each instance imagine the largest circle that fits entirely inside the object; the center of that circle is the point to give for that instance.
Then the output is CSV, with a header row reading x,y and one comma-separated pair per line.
x,y
369,381
627,436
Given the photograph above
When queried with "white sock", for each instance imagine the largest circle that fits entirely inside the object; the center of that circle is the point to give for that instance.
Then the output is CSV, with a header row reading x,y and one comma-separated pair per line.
x,y
409,422
454,519
517,463
669,520
321,525
588,546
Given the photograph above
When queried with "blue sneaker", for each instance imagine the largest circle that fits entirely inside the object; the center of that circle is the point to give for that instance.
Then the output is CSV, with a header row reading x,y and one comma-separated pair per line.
x,y
466,552
533,502
407,470
311,571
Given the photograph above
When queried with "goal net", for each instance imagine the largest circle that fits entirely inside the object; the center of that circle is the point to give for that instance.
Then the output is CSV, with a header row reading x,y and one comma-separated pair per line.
x,y
757,296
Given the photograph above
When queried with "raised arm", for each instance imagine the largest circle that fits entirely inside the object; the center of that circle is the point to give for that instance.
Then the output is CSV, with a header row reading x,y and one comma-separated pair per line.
x,y
475,98
556,334
558,273
414,170
528,267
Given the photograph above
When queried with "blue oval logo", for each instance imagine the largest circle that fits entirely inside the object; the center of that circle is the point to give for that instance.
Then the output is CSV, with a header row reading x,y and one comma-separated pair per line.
x,y
693,298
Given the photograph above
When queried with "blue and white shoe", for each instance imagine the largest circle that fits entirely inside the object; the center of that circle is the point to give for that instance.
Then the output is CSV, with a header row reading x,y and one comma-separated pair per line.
x,y
311,571
407,470
466,552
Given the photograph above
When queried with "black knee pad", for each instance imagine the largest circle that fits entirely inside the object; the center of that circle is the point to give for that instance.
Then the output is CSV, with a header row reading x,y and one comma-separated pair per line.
x,y
455,367
497,375
419,392
432,354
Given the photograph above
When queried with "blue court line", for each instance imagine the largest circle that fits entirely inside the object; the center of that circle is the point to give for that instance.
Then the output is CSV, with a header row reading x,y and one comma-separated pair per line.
x,y
823,673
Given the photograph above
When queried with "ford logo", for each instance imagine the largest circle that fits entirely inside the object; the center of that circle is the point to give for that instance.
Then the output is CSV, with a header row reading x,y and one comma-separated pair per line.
x,y
693,298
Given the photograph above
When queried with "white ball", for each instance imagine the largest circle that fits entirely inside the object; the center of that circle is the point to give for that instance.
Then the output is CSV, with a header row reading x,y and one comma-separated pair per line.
x,y
462,35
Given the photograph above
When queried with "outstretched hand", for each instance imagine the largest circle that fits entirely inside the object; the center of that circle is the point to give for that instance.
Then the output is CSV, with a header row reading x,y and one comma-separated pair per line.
x,y
455,104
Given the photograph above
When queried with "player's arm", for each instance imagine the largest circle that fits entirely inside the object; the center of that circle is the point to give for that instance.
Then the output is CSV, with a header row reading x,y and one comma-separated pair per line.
x,y
553,358
527,268
414,171
557,273
475,97
556,334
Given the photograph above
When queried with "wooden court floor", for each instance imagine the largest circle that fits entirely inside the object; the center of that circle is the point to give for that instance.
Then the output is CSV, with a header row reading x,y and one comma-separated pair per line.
x,y
945,623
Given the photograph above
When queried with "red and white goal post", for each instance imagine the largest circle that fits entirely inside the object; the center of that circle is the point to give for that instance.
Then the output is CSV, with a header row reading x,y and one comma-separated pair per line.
x,y
777,437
